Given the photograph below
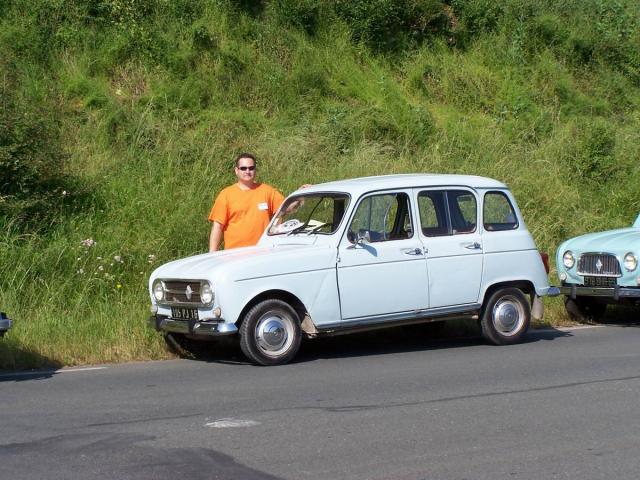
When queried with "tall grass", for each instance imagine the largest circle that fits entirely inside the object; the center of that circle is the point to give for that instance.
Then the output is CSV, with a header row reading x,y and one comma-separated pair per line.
x,y
152,100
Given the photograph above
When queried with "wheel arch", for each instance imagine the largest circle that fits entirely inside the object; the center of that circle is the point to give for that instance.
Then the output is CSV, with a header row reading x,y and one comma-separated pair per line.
x,y
277,294
526,286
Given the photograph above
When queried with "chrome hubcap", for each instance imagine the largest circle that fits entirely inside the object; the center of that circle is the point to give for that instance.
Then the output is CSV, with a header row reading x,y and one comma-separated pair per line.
x,y
508,316
274,334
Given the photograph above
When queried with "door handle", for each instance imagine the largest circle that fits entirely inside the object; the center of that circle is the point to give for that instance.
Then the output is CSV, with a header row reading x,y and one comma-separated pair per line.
x,y
412,251
473,246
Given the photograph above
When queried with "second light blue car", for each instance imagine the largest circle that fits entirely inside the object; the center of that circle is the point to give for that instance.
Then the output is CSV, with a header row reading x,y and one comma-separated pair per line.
x,y
597,269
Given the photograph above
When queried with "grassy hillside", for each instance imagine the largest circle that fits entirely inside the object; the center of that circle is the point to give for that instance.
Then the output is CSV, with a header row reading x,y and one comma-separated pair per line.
x,y
119,120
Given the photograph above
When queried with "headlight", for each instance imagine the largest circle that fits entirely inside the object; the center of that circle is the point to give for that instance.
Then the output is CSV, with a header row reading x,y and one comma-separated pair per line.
x,y
206,293
568,260
158,290
630,262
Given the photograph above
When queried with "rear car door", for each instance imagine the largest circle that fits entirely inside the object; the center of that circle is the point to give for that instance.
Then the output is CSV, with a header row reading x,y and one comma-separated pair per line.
x,y
453,244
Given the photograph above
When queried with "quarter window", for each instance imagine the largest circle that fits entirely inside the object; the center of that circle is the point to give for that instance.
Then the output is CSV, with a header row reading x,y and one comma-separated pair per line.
x,y
381,218
498,213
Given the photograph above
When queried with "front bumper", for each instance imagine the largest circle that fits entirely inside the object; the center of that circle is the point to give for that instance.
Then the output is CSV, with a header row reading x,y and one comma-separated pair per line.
x,y
615,293
203,328
5,323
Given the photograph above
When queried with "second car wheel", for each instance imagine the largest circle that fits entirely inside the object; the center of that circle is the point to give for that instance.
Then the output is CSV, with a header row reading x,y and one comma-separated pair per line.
x,y
506,317
270,333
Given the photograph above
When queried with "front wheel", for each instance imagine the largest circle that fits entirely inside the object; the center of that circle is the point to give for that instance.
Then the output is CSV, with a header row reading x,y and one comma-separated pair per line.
x,y
506,317
270,333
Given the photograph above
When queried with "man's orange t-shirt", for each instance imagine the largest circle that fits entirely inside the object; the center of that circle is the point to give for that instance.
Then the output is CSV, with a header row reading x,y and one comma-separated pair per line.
x,y
244,214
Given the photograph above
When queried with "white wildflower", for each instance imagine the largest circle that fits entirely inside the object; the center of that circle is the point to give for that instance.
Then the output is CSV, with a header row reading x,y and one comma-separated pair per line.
x,y
89,242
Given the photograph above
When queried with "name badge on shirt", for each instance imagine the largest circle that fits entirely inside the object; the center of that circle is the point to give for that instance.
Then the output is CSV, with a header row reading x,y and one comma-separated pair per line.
x,y
263,206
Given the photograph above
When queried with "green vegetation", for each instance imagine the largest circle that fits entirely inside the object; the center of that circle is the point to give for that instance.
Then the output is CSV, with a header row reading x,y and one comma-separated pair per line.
x,y
119,120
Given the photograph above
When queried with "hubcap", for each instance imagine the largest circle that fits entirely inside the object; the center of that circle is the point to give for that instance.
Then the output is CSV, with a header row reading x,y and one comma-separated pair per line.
x,y
508,316
274,334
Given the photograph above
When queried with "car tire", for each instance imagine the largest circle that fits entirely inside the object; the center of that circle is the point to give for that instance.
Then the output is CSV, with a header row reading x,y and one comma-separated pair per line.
x,y
584,309
270,333
506,317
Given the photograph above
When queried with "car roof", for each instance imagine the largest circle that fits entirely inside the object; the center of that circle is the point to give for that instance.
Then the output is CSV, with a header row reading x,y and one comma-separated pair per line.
x,y
361,185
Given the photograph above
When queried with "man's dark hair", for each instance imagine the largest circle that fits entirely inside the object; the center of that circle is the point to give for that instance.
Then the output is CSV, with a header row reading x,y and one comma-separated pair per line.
x,y
246,155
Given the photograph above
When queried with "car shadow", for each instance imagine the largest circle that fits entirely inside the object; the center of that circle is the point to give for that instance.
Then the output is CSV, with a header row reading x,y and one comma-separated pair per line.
x,y
15,359
620,316
382,342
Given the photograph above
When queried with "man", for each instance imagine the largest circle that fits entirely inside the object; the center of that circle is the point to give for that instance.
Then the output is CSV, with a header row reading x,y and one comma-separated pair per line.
x,y
242,211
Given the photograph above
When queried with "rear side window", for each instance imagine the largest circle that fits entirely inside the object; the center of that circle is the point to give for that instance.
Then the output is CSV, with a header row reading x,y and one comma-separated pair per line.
x,y
447,212
498,213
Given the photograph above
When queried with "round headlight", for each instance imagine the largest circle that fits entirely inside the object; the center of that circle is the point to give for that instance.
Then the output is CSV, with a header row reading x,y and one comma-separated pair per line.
x,y
158,290
630,262
568,260
206,293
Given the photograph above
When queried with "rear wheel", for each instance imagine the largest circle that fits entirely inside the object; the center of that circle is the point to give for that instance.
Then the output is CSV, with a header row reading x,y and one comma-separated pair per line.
x,y
584,309
506,317
270,333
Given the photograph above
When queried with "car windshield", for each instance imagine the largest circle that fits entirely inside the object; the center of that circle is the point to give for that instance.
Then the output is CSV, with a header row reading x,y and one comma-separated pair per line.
x,y
317,213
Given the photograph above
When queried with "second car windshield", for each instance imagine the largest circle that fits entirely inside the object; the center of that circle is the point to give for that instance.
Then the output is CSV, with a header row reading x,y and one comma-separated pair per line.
x,y
310,214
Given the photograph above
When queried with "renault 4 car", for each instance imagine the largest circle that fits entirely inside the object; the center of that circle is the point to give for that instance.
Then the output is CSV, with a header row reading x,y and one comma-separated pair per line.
x,y
362,254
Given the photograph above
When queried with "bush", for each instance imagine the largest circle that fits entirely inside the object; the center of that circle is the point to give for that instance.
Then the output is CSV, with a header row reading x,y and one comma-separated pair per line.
x,y
33,186
394,24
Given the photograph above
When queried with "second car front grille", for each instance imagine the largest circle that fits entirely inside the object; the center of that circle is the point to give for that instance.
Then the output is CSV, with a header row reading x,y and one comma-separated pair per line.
x,y
183,292
599,264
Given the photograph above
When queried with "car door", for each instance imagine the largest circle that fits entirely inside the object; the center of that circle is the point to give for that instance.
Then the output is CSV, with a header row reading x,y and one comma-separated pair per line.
x,y
453,244
381,265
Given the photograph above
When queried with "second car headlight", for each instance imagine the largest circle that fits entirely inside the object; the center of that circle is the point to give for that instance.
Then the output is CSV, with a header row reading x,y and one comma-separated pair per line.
x,y
206,293
568,260
158,290
630,262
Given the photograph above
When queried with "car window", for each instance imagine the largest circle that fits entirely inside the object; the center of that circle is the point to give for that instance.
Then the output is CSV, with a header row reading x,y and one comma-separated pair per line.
x,y
498,213
380,218
432,207
310,214
447,212
463,211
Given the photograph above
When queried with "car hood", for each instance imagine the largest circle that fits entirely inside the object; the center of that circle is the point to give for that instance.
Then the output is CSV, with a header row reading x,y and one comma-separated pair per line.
x,y
249,262
612,241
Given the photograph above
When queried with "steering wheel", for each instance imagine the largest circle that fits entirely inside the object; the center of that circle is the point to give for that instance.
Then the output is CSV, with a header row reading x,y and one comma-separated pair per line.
x,y
289,225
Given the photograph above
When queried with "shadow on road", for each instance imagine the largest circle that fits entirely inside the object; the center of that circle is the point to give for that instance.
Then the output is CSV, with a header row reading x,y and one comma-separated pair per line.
x,y
380,342
621,316
14,358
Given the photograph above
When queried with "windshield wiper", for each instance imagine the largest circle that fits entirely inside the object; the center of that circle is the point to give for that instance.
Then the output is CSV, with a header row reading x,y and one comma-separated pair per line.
x,y
298,229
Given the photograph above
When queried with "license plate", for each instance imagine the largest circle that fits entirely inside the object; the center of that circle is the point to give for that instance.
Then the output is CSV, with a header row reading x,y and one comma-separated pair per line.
x,y
184,313
607,282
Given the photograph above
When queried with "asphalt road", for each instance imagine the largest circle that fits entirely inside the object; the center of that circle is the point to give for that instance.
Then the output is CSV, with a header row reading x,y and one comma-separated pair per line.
x,y
564,405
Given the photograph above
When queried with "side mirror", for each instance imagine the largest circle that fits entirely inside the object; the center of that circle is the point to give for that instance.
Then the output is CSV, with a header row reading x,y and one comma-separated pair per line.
x,y
363,237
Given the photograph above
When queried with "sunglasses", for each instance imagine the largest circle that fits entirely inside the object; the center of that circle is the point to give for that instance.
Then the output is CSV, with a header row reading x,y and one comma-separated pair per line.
x,y
244,169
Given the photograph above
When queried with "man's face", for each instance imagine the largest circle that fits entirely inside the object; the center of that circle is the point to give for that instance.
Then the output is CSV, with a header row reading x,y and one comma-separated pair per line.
x,y
246,170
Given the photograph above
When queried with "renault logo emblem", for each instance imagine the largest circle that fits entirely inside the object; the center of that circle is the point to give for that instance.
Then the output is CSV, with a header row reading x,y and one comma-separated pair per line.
x,y
599,265
188,292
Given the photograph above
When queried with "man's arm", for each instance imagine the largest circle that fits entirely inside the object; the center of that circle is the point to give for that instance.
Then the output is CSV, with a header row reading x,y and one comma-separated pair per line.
x,y
215,237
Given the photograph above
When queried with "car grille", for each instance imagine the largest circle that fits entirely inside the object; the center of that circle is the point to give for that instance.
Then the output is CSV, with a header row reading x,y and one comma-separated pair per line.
x,y
599,264
183,292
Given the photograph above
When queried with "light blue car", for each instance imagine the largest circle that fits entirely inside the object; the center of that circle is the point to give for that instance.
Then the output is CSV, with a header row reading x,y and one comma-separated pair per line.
x,y
599,269
361,254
